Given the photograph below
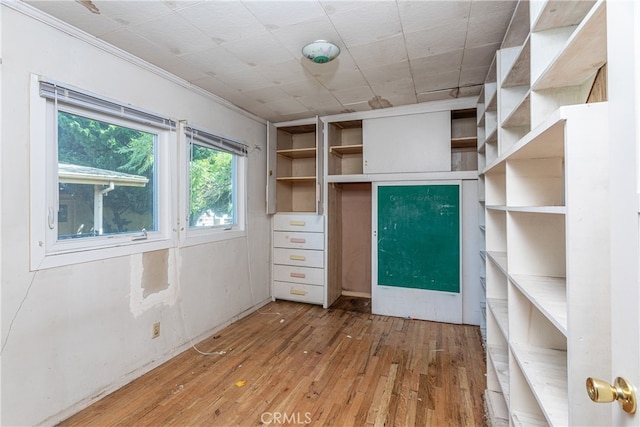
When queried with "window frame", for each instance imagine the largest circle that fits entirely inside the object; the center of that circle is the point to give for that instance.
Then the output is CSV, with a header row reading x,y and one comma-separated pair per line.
x,y
46,249
190,236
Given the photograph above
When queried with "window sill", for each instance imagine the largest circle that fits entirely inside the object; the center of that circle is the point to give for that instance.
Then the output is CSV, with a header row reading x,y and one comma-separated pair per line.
x,y
202,237
52,260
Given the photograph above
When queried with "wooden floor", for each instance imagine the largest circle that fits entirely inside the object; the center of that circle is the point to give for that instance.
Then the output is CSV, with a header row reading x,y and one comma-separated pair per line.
x,y
311,366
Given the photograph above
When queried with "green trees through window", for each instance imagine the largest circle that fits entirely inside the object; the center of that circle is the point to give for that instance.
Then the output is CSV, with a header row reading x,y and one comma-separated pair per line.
x,y
211,187
106,178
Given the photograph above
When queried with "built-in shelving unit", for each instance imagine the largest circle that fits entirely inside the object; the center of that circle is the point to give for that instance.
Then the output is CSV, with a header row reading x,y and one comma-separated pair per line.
x,y
488,123
464,140
295,173
546,234
296,168
344,140
485,108
432,143
514,75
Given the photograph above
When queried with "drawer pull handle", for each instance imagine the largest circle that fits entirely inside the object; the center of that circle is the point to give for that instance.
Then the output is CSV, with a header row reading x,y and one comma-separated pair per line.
x,y
297,292
297,258
298,240
298,275
297,223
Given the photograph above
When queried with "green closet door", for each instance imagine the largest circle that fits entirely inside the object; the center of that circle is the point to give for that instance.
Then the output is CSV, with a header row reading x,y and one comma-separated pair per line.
x,y
419,237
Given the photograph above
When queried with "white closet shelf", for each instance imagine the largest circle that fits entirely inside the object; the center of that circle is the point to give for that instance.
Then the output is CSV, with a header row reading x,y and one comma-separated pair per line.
x,y
492,103
480,107
520,72
499,259
491,74
500,311
554,210
497,208
521,113
341,150
499,357
523,419
548,294
546,372
518,27
298,153
498,168
571,67
545,140
492,133
480,111
482,146
296,178
562,13
496,408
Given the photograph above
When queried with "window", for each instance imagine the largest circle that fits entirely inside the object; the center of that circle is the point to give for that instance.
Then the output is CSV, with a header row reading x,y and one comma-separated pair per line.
x,y
211,193
215,173
100,177
106,178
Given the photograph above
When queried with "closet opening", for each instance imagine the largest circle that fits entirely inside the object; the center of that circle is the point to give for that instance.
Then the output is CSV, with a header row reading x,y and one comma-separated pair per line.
x,y
349,240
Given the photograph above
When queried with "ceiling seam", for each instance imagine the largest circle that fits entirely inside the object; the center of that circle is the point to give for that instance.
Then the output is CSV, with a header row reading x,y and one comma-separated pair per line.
x,y
464,49
406,52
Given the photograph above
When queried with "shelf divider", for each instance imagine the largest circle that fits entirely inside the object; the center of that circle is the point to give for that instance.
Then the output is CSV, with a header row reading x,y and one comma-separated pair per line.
x,y
548,294
546,372
341,150
298,153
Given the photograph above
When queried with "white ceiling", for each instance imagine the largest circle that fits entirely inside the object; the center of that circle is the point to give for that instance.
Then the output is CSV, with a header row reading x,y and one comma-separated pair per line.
x,y
249,52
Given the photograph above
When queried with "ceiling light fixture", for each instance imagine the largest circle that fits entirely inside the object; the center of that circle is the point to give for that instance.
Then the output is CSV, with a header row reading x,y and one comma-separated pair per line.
x,y
321,51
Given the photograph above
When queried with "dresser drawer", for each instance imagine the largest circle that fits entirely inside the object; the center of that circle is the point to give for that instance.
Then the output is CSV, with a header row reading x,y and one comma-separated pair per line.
x,y
298,222
296,240
298,257
306,275
298,292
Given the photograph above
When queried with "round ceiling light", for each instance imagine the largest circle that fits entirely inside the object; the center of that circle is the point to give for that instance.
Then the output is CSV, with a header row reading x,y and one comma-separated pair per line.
x,y
321,51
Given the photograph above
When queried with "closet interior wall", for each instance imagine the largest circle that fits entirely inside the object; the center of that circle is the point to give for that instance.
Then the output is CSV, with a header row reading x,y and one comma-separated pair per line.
x,y
349,234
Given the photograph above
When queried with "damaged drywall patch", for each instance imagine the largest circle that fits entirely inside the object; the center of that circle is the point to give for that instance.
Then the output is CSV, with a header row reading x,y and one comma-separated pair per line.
x,y
378,102
152,280
155,272
89,5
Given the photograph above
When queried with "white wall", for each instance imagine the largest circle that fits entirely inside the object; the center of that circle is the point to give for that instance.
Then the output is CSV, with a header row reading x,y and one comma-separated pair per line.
x,y
70,334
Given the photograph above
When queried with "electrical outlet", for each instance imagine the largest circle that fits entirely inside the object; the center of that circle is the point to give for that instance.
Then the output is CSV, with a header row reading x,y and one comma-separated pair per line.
x,y
155,332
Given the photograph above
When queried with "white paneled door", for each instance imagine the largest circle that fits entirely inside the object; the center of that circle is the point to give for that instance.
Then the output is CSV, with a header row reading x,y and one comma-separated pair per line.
x,y
623,23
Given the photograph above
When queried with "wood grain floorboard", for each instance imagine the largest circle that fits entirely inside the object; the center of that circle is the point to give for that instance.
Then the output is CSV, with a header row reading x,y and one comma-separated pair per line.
x,y
310,366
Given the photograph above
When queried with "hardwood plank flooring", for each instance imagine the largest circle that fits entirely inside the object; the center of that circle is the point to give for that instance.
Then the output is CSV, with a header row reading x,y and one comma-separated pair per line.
x,y
348,303
310,366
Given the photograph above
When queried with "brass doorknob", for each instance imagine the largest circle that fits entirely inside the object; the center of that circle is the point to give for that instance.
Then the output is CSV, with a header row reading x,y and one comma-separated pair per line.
x,y
621,390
